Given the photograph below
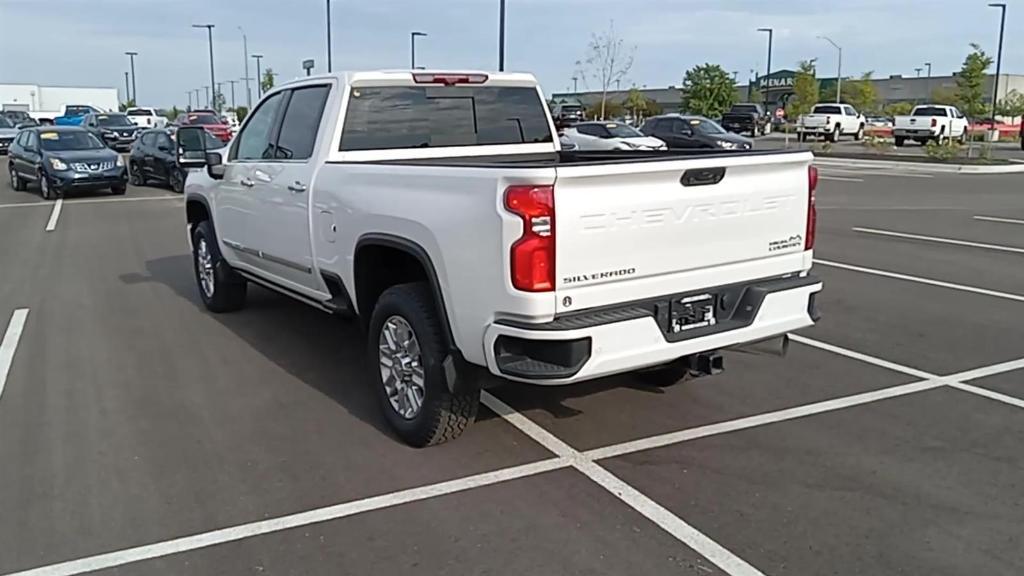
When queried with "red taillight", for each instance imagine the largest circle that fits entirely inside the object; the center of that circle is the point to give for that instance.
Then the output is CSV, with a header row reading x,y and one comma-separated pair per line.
x,y
449,79
812,210
935,122
533,254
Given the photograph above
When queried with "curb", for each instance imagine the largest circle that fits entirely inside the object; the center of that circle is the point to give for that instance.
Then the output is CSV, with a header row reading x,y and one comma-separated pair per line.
x,y
923,166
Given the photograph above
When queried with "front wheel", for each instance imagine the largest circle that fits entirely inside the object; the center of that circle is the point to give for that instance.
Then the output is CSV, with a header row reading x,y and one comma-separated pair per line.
x,y
118,189
859,135
44,186
220,287
407,354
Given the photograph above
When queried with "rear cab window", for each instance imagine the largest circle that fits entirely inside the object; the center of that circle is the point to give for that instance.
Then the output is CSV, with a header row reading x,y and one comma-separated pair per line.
x,y
825,109
929,111
460,117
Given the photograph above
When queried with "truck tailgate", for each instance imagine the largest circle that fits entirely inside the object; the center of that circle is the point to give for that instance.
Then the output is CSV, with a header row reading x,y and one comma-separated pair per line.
x,y
645,229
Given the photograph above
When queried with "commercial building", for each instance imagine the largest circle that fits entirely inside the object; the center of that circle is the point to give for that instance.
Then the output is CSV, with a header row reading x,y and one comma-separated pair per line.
x,y
777,88
34,98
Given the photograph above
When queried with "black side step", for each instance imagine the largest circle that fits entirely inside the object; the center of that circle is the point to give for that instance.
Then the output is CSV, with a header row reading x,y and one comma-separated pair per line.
x,y
340,302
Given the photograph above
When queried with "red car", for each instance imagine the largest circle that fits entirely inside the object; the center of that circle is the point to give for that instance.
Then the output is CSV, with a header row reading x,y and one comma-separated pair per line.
x,y
209,120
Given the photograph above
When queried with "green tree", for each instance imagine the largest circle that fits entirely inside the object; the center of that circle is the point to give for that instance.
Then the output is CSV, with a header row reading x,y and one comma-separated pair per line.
x,y
268,79
130,103
861,93
756,96
172,114
610,109
708,90
1012,105
898,108
970,83
241,112
636,103
805,91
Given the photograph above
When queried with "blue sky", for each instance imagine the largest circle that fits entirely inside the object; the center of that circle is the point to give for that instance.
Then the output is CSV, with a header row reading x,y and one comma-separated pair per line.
x,y
84,40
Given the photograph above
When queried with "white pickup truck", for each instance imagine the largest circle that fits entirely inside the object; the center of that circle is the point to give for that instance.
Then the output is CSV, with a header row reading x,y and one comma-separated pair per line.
x,y
831,121
146,118
439,209
930,122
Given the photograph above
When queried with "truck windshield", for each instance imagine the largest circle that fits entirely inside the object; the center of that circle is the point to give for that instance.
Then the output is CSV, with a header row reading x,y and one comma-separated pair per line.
x,y
113,120
63,141
383,118
929,111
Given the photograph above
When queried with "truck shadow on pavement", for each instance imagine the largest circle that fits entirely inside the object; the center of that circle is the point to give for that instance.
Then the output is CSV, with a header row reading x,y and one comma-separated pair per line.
x,y
323,352
316,348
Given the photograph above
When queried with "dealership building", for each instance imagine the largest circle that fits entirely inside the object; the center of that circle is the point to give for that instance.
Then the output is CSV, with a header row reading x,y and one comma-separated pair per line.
x,y
777,88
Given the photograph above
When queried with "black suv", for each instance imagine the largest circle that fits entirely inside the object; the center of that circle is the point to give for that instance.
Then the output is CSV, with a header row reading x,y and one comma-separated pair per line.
x,y
114,129
681,132
153,158
64,158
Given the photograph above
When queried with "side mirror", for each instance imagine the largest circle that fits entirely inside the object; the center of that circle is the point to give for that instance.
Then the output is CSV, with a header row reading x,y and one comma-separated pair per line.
x,y
191,147
215,165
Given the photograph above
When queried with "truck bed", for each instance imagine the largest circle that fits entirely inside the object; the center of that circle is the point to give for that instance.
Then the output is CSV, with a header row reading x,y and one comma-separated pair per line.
x,y
581,158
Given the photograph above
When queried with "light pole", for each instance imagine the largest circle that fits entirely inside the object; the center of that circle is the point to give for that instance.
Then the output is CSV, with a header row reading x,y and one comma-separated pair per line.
x,y
127,90
928,83
245,56
575,79
918,70
189,100
209,103
197,90
839,69
131,57
412,39
259,77
771,34
329,69
501,36
233,82
999,57
209,33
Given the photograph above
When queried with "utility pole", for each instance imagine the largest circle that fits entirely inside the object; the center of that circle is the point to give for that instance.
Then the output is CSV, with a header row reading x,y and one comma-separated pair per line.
x,y
329,69
131,57
839,70
928,84
999,59
209,33
501,36
233,82
771,33
918,70
412,39
574,88
209,103
127,90
245,55
259,76
189,101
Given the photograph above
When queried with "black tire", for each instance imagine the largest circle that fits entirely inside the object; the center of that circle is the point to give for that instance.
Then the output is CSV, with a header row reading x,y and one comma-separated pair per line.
x,y
17,184
176,180
900,141
135,175
118,189
442,415
859,134
664,376
228,288
44,186
963,138
834,136
803,137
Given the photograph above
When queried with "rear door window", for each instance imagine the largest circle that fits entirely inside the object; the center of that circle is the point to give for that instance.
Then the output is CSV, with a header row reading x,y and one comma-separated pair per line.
x,y
393,117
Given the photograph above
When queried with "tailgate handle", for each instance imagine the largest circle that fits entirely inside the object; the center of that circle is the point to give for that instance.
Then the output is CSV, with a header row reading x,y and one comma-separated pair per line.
x,y
702,176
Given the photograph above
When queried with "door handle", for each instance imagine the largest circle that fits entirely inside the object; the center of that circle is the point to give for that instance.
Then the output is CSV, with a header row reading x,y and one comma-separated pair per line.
x,y
246,182
297,187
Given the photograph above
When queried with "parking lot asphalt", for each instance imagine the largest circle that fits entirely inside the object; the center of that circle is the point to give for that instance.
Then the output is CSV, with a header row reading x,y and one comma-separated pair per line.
x,y
1006,150
141,435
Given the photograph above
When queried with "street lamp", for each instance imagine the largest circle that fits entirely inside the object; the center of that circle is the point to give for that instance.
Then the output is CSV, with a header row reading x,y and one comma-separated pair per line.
x,y
259,76
189,100
918,71
412,38
771,33
245,59
209,33
575,79
131,57
999,57
233,82
501,36
928,84
127,91
329,69
839,70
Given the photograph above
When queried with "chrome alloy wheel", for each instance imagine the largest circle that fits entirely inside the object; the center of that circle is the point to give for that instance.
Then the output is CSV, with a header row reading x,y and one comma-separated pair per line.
x,y
401,367
204,265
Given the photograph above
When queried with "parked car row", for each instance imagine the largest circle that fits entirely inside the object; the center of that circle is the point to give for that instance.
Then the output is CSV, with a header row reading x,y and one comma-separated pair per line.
x,y
668,131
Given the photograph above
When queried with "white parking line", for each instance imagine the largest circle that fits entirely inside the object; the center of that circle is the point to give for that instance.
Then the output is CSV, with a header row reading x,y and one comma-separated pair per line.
x,y
51,225
10,344
920,280
662,517
1002,220
988,394
242,531
94,201
996,247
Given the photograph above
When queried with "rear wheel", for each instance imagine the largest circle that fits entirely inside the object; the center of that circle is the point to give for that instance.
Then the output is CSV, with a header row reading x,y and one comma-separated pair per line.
x,y
135,174
17,184
176,179
834,136
407,352
220,287
900,141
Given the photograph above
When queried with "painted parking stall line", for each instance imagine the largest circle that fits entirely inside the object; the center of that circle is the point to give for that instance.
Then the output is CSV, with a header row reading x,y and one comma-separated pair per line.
x,y
9,345
920,280
51,224
952,241
999,220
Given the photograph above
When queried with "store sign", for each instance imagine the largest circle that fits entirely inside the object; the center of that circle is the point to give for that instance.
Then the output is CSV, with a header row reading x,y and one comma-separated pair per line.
x,y
777,82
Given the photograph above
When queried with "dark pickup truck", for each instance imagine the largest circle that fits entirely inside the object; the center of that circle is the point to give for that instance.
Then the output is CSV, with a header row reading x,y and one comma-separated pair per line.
x,y
744,118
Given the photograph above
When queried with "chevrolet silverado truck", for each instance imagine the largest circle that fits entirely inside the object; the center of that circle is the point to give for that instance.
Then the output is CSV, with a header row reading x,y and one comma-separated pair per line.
x,y
833,121
439,209
930,122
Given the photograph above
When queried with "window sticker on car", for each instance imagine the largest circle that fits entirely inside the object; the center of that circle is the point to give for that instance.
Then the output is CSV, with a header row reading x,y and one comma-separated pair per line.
x,y
611,125
102,117
694,122
49,136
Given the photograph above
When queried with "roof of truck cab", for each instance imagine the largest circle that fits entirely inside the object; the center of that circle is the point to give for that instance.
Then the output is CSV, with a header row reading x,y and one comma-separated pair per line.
x,y
404,77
